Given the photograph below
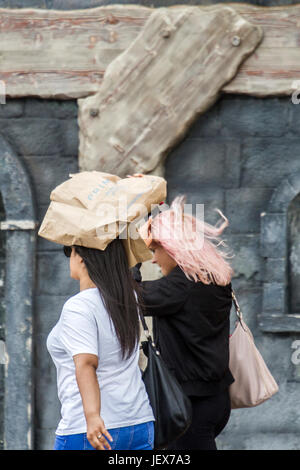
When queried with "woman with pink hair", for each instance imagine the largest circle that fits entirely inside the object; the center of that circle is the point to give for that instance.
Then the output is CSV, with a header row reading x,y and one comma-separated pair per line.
x,y
190,305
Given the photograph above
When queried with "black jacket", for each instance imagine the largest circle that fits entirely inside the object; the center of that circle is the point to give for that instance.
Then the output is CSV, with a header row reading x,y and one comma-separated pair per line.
x,y
191,329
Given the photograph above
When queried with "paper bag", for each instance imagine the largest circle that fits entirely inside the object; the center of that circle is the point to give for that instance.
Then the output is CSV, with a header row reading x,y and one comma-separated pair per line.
x,y
93,208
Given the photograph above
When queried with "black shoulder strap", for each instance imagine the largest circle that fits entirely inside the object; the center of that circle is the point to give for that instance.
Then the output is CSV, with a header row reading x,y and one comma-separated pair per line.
x,y
146,330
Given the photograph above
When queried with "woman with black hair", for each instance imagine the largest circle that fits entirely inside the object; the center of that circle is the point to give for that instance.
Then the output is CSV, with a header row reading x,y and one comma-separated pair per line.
x,y
95,348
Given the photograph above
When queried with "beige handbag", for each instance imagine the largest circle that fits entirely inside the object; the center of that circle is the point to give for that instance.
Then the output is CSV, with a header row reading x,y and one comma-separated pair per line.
x,y
254,383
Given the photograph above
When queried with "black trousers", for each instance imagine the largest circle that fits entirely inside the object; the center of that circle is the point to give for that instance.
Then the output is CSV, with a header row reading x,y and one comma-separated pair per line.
x,y
210,416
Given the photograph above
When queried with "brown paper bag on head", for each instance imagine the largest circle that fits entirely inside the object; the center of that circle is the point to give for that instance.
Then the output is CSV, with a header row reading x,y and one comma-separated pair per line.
x,y
93,208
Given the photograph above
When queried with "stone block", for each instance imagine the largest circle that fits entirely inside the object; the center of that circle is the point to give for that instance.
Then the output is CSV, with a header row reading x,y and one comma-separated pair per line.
x,y
273,235
258,441
211,198
70,137
294,123
47,172
267,161
47,311
23,4
205,162
41,108
272,441
196,162
47,406
44,438
232,163
13,108
33,136
244,116
279,322
15,185
294,180
246,261
282,196
79,4
53,275
274,297
275,270
243,207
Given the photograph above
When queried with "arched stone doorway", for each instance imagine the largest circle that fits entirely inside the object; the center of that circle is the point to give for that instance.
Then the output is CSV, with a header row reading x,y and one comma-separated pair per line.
x,y
279,247
19,226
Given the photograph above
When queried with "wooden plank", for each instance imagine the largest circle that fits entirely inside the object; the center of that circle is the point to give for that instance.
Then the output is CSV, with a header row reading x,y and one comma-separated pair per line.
x,y
151,93
275,65
64,54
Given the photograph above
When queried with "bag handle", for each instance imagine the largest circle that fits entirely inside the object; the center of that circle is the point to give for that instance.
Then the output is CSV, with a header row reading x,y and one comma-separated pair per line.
x,y
237,307
147,333
238,310
146,330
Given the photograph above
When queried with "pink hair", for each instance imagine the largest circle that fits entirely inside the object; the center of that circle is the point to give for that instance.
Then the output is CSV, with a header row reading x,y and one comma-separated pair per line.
x,y
192,244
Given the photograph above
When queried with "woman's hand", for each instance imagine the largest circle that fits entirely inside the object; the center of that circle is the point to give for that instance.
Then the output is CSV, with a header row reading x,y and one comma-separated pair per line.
x,y
97,433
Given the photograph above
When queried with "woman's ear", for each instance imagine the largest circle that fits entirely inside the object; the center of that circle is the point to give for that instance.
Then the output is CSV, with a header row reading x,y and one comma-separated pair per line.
x,y
75,254
78,259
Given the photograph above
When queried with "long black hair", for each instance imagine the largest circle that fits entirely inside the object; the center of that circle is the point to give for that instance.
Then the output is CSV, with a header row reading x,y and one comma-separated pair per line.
x,y
109,270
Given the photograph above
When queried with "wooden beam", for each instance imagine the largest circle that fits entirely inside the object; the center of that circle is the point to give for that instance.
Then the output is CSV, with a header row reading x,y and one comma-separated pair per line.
x,y
150,94
64,54
274,68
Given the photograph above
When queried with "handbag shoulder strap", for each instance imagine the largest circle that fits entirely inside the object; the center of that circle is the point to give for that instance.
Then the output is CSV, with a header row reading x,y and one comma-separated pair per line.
x,y
147,333
145,327
237,307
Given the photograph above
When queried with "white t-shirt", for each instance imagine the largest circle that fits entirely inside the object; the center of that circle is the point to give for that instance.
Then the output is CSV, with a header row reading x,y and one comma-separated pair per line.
x,y
85,327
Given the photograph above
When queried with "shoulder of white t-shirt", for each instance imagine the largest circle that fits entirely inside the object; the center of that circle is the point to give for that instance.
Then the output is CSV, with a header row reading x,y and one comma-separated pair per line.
x,y
83,299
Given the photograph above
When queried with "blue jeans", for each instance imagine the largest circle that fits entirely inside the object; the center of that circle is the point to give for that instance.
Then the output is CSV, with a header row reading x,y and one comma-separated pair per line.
x,y
137,437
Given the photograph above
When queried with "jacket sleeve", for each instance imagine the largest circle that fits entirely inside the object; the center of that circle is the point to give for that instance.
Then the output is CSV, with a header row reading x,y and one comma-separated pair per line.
x,y
164,296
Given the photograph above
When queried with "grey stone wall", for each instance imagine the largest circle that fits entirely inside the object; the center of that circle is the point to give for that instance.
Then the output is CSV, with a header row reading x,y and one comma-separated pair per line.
x,y
80,4
233,158
44,134
2,319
